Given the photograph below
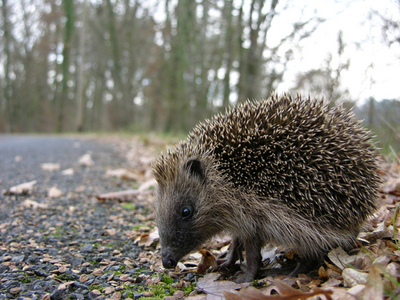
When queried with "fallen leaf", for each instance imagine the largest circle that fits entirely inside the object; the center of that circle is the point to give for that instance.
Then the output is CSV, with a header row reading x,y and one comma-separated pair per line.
x,y
86,160
340,258
147,185
21,189
54,192
374,286
68,172
33,204
209,285
207,261
50,167
391,185
353,277
122,196
286,293
121,173
147,239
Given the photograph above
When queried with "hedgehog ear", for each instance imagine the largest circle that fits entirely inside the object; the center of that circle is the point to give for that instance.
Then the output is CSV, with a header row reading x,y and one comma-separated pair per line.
x,y
195,168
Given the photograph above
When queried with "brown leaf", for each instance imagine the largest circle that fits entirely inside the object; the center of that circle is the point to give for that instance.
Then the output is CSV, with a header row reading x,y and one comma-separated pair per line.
x,y
54,192
86,160
21,189
209,285
147,239
340,258
50,167
35,205
122,174
207,261
374,287
122,196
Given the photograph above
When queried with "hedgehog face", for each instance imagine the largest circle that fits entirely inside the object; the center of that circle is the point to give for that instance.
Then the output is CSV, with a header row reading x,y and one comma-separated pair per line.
x,y
176,211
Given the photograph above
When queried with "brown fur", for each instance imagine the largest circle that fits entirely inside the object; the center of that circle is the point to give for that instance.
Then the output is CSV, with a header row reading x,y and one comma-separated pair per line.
x,y
285,171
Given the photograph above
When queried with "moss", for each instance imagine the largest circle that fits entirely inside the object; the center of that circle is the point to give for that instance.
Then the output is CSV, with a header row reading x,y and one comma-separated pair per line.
x,y
166,279
24,279
189,289
64,277
128,206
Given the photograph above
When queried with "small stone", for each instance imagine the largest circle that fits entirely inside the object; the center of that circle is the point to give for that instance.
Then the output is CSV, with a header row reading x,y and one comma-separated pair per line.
x,y
96,292
116,296
87,248
46,297
148,294
179,294
108,290
62,269
116,253
124,277
83,278
98,272
15,290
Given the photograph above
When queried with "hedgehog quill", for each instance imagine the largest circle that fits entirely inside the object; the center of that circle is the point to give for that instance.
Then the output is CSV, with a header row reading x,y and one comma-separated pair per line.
x,y
285,171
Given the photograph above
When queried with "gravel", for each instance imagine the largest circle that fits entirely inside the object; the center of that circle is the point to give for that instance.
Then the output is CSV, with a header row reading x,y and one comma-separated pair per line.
x,y
76,247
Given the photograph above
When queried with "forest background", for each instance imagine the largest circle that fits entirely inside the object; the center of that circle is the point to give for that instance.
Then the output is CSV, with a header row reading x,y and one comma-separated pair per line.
x,y
163,65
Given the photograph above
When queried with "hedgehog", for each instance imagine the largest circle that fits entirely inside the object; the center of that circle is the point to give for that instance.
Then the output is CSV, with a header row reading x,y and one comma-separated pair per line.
x,y
286,171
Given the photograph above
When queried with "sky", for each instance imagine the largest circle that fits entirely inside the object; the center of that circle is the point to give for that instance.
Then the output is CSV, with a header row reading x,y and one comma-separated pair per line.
x,y
374,67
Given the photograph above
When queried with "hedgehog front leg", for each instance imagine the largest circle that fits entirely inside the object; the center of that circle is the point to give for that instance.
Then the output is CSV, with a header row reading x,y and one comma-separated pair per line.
x,y
235,253
253,260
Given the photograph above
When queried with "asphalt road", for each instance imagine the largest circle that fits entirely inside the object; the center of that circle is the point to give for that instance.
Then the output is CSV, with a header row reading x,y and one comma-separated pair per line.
x,y
75,231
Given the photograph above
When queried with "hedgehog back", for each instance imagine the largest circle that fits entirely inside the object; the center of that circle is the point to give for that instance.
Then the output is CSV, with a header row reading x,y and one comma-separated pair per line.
x,y
316,160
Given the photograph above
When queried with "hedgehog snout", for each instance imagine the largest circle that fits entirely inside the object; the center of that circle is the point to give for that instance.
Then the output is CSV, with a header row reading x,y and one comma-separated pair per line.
x,y
169,261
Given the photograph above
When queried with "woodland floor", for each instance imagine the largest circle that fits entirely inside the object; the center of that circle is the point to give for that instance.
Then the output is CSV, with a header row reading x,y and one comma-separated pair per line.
x,y
82,226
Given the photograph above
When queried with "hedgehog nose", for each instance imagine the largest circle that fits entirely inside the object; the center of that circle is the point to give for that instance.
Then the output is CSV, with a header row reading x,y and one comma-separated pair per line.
x,y
169,262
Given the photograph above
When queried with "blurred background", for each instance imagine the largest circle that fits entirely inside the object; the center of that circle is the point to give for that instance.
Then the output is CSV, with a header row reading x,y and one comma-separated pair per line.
x,y
163,65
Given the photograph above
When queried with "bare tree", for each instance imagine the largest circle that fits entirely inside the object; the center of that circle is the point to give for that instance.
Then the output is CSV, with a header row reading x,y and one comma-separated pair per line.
x,y
68,30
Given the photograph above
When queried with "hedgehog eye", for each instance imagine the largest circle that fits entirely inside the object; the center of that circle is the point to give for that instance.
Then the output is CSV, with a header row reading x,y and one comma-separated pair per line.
x,y
186,212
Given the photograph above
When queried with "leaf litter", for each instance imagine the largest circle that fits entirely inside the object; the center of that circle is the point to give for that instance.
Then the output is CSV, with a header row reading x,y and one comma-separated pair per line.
x,y
370,271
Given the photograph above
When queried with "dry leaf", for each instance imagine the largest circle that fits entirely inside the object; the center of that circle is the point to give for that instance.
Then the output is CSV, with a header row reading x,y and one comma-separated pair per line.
x,y
68,172
353,277
374,287
121,173
50,167
54,192
147,185
147,239
86,160
21,189
33,204
391,185
207,261
209,285
340,258
286,293
122,196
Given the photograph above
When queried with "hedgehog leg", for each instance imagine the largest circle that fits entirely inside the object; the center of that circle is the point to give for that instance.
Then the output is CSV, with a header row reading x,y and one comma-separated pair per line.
x,y
235,253
253,260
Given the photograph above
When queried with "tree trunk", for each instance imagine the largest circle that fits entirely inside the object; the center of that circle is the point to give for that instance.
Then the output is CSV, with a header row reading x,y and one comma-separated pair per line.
x,y
7,88
80,83
69,28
